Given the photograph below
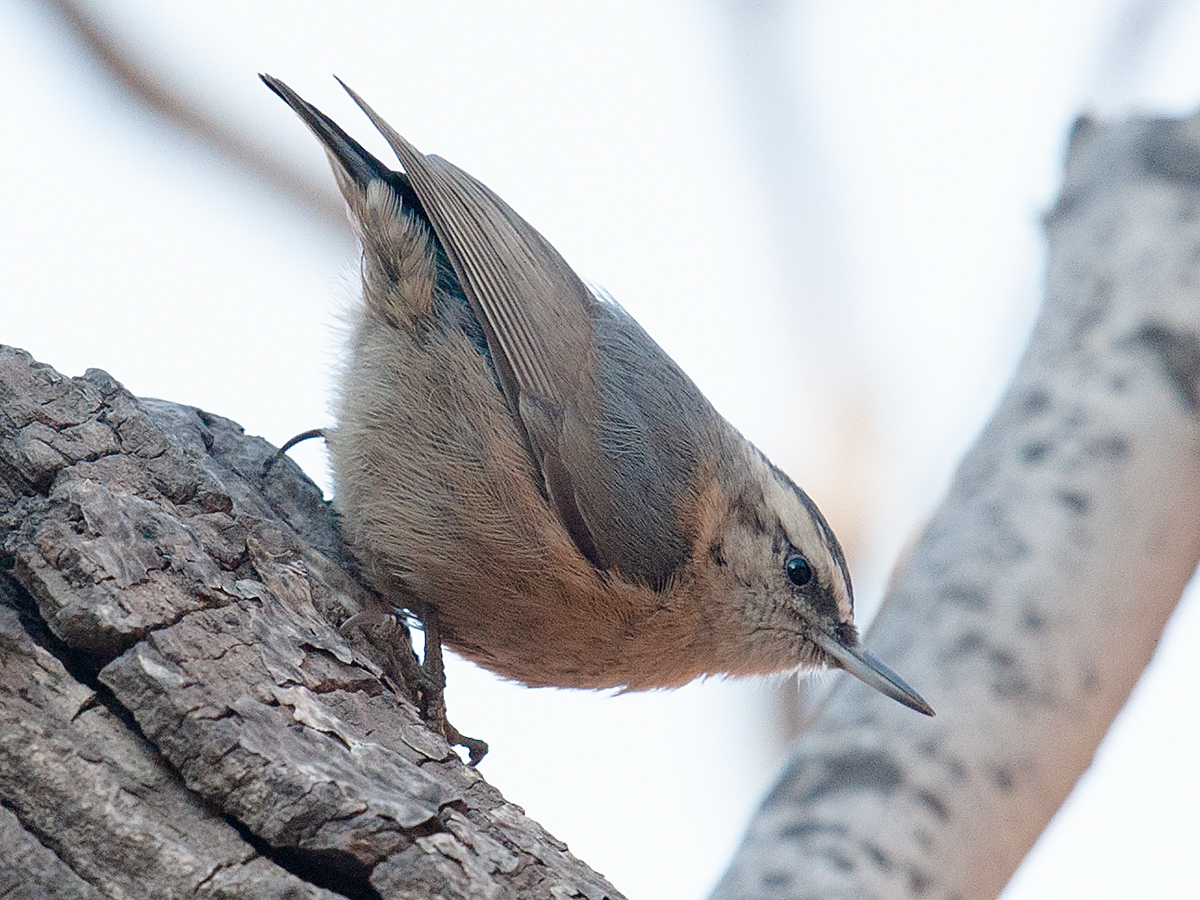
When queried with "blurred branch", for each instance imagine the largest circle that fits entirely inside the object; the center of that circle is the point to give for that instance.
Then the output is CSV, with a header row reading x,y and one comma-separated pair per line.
x,y
139,80
1037,594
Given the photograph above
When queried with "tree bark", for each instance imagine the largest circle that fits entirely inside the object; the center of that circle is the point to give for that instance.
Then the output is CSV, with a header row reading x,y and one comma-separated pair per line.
x,y
179,714
1036,595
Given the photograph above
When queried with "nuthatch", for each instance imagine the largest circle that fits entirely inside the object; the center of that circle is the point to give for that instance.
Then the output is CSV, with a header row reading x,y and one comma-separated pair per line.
x,y
515,454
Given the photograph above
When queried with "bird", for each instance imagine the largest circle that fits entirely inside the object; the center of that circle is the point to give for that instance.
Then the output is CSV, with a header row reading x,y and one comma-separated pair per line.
x,y
518,462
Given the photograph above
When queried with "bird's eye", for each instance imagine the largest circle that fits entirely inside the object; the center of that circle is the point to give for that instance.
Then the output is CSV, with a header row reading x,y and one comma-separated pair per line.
x,y
799,572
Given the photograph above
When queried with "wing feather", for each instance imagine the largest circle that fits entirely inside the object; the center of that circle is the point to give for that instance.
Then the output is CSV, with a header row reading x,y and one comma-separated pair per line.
x,y
616,447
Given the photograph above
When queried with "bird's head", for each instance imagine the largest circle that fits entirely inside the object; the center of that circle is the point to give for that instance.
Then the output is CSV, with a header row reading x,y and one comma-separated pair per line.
x,y
779,577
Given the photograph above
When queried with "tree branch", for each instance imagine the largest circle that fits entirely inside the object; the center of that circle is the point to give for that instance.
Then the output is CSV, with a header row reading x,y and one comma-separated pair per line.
x,y
1036,594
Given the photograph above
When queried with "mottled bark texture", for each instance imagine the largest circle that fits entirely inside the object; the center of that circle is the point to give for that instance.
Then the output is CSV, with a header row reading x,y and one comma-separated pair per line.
x,y
1036,594
179,714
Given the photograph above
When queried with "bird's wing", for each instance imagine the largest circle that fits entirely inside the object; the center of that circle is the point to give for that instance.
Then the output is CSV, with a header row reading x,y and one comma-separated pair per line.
x,y
541,321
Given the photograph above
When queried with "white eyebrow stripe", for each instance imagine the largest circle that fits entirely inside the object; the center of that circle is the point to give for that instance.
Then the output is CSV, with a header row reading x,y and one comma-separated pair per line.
x,y
806,534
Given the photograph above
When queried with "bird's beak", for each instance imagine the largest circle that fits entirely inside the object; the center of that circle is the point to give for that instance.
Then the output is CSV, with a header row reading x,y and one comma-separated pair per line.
x,y
867,669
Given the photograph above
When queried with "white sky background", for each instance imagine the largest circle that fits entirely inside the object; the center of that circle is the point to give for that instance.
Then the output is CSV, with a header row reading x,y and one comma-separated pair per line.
x,y
861,339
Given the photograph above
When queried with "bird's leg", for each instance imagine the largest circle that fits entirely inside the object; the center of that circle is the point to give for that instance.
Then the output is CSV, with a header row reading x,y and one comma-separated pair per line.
x,y
433,685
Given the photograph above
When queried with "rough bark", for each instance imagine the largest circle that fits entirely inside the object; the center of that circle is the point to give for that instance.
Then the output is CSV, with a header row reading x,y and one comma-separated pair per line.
x,y
179,714
1036,595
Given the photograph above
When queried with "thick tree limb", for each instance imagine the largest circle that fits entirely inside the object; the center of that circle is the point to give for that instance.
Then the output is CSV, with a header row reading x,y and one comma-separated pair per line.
x,y
179,715
1035,597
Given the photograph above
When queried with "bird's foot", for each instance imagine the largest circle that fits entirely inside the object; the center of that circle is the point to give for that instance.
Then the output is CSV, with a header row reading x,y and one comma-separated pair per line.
x,y
423,683
433,697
